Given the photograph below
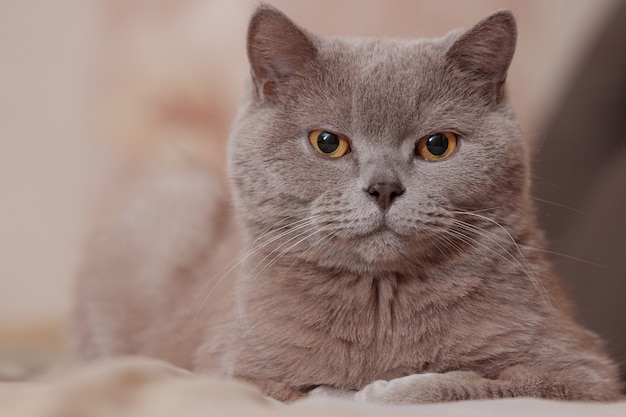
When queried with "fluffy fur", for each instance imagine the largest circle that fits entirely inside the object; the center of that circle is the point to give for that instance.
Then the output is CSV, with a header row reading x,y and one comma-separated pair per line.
x,y
444,295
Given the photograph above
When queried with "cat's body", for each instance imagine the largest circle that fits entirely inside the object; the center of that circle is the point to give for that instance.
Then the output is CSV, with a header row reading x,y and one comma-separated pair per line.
x,y
358,259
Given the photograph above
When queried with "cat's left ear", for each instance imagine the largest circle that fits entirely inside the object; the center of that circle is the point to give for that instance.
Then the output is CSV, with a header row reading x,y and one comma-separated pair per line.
x,y
484,52
277,48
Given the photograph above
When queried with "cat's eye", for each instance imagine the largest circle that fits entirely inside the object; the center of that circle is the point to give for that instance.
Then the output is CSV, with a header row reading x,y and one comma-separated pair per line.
x,y
329,144
437,146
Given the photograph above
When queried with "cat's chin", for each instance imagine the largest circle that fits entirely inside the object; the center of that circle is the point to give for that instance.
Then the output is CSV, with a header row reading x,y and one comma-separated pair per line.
x,y
384,249
381,247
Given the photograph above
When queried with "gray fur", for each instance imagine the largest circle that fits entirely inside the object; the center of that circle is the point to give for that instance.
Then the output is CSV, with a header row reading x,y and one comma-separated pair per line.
x,y
446,294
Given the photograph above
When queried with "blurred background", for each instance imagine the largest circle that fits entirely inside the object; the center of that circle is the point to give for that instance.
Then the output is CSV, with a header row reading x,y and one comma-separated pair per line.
x,y
90,89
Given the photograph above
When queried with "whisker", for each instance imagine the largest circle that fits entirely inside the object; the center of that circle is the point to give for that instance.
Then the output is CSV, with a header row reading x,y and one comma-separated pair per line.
x,y
521,263
492,221
563,206
574,258
313,246
289,240
477,230
541,290
287,250
252,249
471,241
488,209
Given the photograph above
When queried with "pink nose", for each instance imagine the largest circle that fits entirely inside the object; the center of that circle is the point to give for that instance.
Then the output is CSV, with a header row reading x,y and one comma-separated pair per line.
x,y
385,193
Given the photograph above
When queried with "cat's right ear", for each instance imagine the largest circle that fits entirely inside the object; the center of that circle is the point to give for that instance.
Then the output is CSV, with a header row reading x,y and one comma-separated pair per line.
x,y
277,48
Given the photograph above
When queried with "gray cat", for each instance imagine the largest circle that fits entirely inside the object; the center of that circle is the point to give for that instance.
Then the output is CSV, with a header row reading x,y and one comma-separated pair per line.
x,y
387,239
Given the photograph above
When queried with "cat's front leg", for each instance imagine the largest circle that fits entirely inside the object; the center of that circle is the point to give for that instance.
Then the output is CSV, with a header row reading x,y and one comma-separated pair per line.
x,y
582,384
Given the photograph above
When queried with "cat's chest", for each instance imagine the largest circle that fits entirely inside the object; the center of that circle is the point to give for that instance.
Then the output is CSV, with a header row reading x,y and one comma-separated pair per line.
x,y
358,330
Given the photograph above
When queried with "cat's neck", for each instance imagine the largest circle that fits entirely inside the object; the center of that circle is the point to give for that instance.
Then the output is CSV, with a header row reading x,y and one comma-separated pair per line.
x,y
339,301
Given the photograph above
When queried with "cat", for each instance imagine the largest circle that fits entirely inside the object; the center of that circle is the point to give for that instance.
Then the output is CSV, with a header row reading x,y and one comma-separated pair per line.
x,y
377,239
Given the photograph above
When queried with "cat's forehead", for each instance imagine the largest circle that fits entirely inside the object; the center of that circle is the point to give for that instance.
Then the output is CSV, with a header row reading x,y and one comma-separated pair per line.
x,y
387,87
380,63
368,53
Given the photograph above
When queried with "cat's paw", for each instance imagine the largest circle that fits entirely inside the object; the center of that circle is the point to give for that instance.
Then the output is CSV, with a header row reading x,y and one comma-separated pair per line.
x,y
426,388
332,392
396,391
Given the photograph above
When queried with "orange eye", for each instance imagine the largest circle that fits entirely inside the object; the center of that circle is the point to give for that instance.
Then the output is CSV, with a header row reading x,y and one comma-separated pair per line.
x,y
329,144
437,146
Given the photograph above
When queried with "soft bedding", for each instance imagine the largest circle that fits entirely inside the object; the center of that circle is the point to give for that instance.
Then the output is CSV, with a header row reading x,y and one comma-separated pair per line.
x,y
145,387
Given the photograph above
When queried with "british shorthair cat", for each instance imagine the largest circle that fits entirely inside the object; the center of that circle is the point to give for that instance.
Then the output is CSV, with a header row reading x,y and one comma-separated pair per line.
x,y
383,241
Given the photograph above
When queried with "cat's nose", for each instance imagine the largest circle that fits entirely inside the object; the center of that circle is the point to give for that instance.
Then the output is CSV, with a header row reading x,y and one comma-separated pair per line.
x,y
385,193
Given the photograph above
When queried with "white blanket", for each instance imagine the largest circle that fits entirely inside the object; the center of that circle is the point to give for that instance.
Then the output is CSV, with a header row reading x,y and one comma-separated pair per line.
x,y
143,387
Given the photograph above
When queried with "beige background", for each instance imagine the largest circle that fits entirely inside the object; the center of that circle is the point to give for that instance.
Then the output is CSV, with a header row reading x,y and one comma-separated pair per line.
x,y
87,88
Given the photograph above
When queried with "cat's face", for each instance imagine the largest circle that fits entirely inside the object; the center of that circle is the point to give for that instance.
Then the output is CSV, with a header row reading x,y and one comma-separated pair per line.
x,y
360,153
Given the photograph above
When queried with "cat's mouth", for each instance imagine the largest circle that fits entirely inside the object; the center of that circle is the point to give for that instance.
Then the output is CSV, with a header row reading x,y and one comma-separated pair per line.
x,y
382,229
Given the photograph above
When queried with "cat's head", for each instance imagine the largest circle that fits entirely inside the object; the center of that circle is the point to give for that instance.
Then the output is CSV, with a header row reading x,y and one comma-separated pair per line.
x,y
360,153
